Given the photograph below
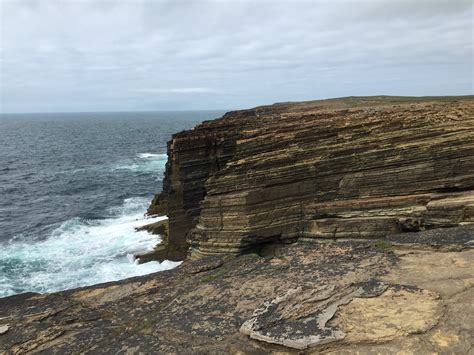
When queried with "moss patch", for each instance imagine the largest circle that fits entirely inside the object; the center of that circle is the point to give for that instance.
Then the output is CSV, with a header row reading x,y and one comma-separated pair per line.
x,y
216,275
383,245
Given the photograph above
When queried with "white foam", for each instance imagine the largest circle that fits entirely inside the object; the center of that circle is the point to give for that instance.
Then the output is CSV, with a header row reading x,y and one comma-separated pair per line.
x,y
151,156
82,252
144,162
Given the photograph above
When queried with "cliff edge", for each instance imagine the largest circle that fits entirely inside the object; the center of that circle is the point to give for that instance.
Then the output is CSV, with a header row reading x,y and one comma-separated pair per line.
x,y
350,168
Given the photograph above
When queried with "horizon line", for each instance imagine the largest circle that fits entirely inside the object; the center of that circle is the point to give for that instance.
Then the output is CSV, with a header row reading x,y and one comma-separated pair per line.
x,y
240,108
138,111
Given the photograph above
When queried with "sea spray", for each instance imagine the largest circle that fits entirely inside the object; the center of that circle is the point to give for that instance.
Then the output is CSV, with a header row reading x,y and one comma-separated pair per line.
x,y
144,163
81,252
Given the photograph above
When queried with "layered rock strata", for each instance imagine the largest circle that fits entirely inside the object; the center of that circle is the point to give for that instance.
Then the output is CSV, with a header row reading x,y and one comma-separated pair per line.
x,y
334,169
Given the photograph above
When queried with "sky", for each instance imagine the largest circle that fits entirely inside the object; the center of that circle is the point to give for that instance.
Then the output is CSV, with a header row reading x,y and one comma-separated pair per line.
x,y
147,55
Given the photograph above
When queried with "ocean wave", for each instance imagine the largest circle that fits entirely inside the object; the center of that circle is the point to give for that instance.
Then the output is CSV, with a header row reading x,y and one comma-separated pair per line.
x,y
81,252
152,156
144,163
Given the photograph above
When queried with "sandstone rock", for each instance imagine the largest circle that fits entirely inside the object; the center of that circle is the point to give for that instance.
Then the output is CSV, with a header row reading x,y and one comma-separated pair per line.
x,y
3,329
448,239
163,251
204,264
166,250
299,319
336,169
160,227
398,312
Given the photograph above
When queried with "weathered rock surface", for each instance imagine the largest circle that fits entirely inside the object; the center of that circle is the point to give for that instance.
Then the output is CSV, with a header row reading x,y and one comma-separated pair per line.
x,y
337,298
164,250
335,169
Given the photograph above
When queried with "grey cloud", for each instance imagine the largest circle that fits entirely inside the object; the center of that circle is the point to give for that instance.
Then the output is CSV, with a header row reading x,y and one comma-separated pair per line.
x,y
141,55
195,90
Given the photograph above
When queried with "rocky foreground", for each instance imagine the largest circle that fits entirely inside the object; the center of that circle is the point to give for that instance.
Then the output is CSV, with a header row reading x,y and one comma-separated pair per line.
x,y
412,294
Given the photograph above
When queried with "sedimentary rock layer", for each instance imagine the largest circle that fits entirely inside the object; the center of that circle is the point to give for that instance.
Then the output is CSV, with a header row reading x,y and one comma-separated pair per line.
x,y
343,168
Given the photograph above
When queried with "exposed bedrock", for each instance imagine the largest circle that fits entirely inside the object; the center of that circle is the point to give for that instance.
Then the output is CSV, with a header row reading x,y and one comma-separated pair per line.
x,y
334,169
407,296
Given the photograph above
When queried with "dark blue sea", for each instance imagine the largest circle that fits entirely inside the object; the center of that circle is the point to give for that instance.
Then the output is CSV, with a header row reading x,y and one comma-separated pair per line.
x,y
73,187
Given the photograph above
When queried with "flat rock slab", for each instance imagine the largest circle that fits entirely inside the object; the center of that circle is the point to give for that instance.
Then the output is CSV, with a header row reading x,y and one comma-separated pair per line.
x,y
454,237
400,311
3,329
204,264
299,319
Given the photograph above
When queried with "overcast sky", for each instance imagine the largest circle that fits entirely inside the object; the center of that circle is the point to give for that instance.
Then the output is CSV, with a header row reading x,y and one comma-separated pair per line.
x,y
81,55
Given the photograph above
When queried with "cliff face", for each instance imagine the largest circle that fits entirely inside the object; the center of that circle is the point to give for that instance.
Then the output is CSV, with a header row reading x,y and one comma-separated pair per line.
x,y
343,168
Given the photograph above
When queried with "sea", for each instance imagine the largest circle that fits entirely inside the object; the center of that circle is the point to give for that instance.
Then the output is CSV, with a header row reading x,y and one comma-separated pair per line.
x,y
73,188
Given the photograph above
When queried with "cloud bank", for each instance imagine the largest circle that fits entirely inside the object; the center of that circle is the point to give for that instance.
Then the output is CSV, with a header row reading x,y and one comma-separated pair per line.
x,y
181,55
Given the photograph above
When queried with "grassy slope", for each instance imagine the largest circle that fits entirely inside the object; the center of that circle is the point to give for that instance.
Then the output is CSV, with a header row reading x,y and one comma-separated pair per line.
x,y
362,101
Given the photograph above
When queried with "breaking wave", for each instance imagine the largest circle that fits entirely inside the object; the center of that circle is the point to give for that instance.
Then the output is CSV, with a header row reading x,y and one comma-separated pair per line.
x,y
144,163
81,252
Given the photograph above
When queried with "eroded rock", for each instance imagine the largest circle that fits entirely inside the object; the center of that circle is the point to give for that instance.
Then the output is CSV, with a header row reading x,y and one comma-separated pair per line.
x,y
398,312
353,168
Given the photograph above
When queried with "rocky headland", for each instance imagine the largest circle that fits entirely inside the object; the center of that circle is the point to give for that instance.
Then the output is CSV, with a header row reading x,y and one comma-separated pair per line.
x,y
337,226
353,168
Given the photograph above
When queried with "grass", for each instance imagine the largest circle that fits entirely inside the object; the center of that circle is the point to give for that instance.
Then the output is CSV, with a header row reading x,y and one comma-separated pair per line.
x,y
454,248
355,101
383,245
144,326
216,275
253,255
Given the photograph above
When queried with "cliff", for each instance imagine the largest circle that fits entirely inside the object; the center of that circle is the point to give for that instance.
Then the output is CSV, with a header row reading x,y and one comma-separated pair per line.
x,y
352,168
